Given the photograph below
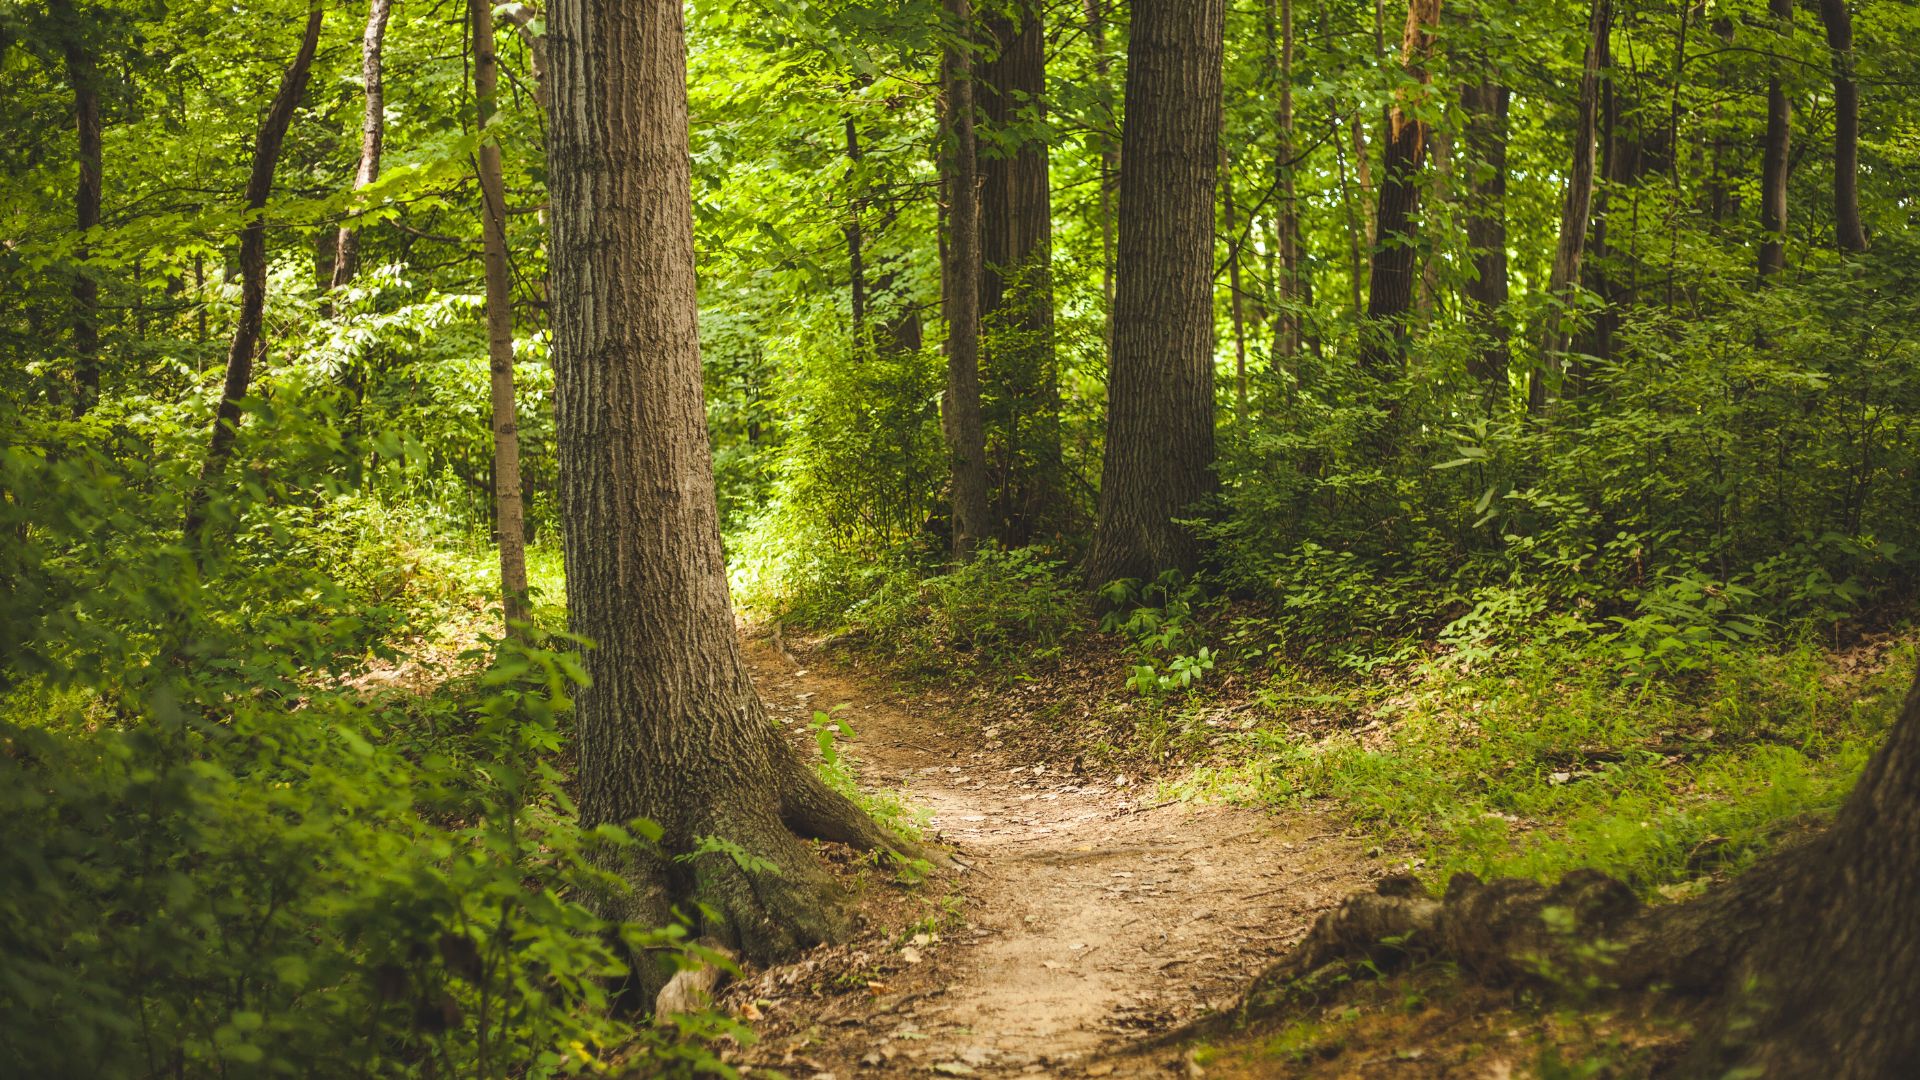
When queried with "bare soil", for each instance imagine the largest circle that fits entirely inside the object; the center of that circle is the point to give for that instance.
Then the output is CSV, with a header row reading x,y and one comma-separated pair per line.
x,y
1087,916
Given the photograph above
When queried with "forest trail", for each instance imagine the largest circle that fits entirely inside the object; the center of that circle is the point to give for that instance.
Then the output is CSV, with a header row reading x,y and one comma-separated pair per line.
x,y
1093,915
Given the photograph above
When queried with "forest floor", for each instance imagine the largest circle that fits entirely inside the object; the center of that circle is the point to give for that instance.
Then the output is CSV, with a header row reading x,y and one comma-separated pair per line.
x,y
1086,917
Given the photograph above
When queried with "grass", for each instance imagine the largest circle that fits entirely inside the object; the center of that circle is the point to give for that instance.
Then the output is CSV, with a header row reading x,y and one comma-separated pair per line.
x,y
1554,762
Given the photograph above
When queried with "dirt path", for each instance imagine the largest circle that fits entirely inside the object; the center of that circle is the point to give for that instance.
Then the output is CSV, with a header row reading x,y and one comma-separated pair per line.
x,y
1092,915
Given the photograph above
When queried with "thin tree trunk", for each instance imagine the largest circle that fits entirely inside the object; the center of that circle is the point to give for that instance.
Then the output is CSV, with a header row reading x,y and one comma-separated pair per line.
x,y
1286,329
1233,286
509,514
1159,446
83,78
1022,415
1575,212
670,726
961,421
856,261
1775,161
1849,236
1109,163
1356,266
1390,282
373,125
253,273
1486,103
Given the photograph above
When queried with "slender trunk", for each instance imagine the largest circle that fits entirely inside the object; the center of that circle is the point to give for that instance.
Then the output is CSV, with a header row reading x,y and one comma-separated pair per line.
x,y
961,421
1356,266
1021,388
1774,160
669,725
83,77
1159,445
1575,211
1849,236
1286,328
1390,282
856,262
373,124
1109,156
1721,197
509,514
1233,286
1486,104
253,273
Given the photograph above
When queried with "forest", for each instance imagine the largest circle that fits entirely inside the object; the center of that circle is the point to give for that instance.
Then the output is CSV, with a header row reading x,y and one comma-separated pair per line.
x,y
841,538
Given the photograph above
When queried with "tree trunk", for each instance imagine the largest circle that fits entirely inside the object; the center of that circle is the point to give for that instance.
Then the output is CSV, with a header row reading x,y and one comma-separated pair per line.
x,y
856,258
1233,286
83,77
1774,160
1109,163
1390,282
253,273
1486,104
373,126
1575,211
1022,416
960,416
1849,236
1286,327
1159,446
510,524
670,726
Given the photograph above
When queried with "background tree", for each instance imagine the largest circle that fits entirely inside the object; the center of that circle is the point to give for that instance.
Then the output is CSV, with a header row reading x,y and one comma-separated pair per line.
x,y
960,409
1390,281
373,128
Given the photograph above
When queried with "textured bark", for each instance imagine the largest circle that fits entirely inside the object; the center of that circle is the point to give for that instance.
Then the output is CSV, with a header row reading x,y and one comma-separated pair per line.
x,y
509,517
960,412
1159,448
373,126
253,271
1486,103
1812,957
83,77
1575,211
1774,160
670,727
1390,279
1848,235
1019,378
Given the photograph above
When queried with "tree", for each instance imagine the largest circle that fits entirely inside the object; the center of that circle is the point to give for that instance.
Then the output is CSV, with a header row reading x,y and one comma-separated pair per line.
x,y
1292,286
960,279
671,728
373,126
1848,234
1390,280
1486,103
1159,450
83,76
1774,158
1575,211
1021,387
253,271
509,515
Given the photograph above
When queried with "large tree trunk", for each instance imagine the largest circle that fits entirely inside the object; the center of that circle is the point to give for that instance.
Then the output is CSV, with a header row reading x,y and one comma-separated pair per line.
x,y
253,272
1486,103
1774,161
1159,451
1016,279
509,518
1849,236
1390,282
373,126
1575,211
670,726
960,413
83,77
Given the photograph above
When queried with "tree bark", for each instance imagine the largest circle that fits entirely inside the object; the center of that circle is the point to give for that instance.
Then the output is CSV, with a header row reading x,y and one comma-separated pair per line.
x,y
1109,157
670,726
1774,161
1020,385
84,80
509,518
373,126
1390,280
1486,104
1159,447
1286,327
1575,211
856,257
253,272
1849,236
960,416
